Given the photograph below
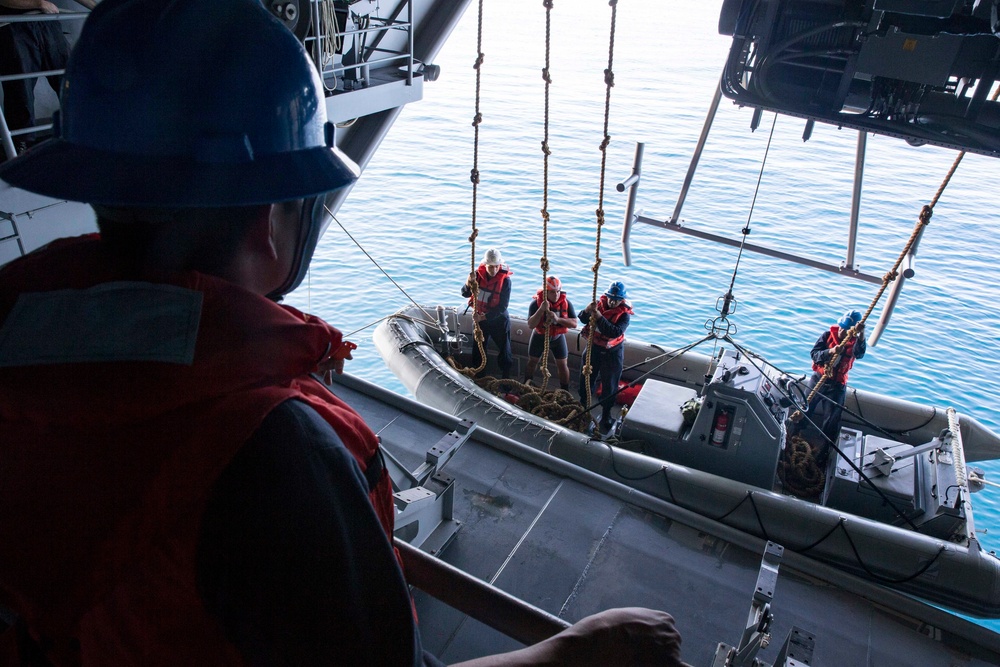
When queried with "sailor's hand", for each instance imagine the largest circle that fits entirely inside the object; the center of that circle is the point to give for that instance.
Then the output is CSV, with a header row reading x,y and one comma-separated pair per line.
x,y
479,317
544,307
625,636
550,318
335,362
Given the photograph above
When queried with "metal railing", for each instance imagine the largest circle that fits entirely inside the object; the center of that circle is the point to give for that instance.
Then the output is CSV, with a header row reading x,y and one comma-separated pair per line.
x,y
325,42
6,134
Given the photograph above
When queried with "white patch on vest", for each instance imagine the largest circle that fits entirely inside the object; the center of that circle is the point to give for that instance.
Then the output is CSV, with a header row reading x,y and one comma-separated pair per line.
x,y
121,321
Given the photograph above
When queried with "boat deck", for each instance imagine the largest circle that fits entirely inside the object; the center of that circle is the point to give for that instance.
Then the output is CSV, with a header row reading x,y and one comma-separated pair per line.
x,y
573,543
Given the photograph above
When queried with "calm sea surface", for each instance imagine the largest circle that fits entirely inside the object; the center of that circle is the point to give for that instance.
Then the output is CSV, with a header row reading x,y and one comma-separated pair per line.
x,y
411,210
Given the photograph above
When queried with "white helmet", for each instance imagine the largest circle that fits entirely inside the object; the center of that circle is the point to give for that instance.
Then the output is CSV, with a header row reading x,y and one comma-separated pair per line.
x,y
492,258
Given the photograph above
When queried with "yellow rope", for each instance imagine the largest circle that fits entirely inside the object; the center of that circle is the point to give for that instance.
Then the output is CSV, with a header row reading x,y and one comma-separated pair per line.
x,y
546,152
474,177
609,81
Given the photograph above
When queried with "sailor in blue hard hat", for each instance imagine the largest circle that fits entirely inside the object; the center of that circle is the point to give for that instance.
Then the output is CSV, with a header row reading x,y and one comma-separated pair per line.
x,y
827,405
605,322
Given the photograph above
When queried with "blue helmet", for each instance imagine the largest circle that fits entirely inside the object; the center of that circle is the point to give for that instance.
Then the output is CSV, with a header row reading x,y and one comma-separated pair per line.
x,y
173,104
849,319
616,290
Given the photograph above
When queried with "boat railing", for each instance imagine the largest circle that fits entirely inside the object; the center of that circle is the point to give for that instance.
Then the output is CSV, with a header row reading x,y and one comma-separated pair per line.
x,y
6,134
961,477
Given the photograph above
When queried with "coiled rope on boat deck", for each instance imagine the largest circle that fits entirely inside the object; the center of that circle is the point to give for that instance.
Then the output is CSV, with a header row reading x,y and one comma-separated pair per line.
x,y
558,405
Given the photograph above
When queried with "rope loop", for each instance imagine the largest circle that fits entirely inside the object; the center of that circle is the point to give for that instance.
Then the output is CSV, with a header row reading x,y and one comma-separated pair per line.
x,y
597,265
545,148
609,78
474,176
600,216
604,144
925,214
479,61
545,75
544,264
473,235
545,214
548,4
477,120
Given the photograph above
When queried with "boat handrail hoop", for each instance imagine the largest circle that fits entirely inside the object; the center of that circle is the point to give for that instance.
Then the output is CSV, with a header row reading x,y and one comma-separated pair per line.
x,y
961,476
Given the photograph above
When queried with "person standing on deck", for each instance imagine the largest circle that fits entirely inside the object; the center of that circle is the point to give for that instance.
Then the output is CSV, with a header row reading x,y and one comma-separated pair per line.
x,y
32,46
605,323
491,302
550,309
827,405
204,500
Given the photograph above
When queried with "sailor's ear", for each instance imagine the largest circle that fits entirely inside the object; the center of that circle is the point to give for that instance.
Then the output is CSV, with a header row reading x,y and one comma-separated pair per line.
x,y
261,237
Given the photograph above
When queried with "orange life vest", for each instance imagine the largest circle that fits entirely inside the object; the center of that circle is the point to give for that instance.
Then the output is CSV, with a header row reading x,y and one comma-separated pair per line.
x,y
490,287
846,362
560,309
108,463
612,315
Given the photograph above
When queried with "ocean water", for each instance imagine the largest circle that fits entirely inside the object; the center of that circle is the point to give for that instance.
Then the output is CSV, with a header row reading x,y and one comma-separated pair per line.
x,y
411,210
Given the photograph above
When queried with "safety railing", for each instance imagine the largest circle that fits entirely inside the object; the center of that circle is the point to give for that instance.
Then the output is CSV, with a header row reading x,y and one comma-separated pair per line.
x,y
6,134
346,54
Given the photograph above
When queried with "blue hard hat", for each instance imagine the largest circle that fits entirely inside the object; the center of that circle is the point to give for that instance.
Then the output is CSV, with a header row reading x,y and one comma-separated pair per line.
x,y
186,103
849,319
616,290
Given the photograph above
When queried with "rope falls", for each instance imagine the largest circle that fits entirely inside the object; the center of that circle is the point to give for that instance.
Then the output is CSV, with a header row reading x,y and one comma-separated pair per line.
x,y
546,152
477,120
609,82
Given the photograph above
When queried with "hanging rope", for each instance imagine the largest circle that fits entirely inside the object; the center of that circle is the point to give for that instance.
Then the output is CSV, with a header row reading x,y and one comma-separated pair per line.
x,y
477,333
546,152
609,82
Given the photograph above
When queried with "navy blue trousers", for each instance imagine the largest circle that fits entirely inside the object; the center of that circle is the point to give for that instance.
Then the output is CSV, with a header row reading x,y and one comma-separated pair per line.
x,y
606,365
29,47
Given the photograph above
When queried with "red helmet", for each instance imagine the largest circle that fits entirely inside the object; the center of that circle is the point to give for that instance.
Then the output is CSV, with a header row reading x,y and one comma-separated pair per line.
x,y
553,284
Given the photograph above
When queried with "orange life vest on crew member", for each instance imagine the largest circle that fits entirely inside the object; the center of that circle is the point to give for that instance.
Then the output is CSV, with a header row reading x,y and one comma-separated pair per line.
x,y
108,464
490,287
846,358
612,315
560,309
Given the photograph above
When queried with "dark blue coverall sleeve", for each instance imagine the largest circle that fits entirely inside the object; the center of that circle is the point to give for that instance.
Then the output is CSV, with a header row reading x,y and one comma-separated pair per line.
x,y
292,559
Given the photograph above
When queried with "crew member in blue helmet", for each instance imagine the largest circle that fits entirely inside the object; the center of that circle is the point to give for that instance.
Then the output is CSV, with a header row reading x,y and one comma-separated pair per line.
x,y
827,406
176,488
605,322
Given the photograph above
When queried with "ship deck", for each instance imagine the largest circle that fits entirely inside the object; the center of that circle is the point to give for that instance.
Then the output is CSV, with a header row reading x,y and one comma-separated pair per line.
x,y
573,543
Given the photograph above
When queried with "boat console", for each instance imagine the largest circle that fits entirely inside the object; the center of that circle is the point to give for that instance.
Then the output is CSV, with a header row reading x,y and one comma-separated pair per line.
x,y
920,482
737,433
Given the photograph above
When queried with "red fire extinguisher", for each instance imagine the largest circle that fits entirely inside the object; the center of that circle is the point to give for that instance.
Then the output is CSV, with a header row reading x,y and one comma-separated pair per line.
x,y
720,427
